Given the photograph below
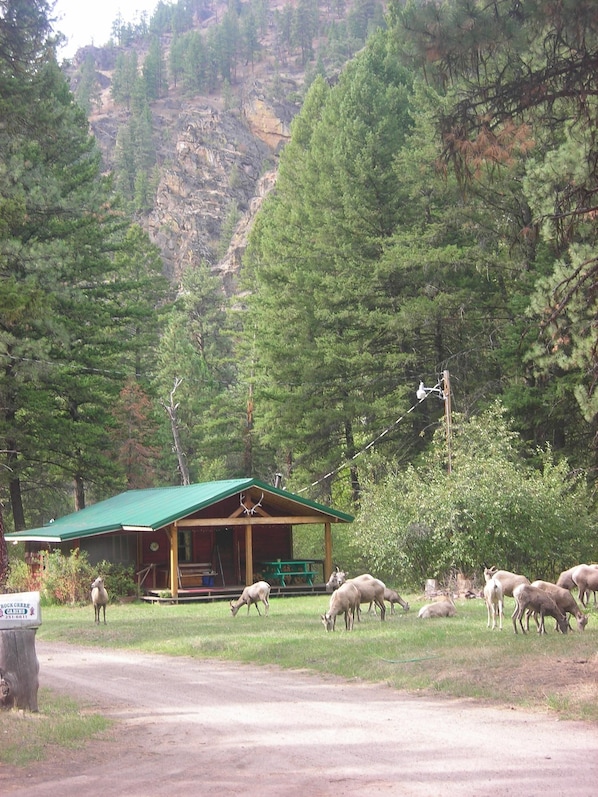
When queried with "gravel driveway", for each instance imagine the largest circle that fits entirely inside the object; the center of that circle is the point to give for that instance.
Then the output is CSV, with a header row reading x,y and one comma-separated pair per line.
x,y
187,727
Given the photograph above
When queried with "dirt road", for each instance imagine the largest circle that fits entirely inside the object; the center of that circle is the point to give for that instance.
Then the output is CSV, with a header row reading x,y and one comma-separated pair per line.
x,y
187,727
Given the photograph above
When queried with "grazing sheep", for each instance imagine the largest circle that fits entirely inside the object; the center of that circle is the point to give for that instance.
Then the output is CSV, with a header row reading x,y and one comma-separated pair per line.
x,y
508,580
441,608
371,589
99,598
564,600
391,596
494,597
585,577
539,603
254,593
345,599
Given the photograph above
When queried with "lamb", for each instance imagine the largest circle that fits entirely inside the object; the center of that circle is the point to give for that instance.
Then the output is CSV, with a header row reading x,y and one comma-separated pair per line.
x,y
391,596
99,598
508,580
564,600
585,577
494,597
345,599
538,602
441,608
254,593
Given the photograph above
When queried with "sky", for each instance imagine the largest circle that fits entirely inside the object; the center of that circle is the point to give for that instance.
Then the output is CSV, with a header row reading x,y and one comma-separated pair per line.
x,y
85,22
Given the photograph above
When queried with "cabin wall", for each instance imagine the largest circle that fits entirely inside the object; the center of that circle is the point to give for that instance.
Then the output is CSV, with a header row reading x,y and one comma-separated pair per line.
x,y
115,548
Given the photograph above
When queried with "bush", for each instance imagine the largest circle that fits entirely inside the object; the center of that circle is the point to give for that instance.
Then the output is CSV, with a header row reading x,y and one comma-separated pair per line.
x,y
65,579
68,578
19,577
119,579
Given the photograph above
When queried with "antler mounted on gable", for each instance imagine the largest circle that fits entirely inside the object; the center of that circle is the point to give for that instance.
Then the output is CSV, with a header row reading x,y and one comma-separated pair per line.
x,y
252,508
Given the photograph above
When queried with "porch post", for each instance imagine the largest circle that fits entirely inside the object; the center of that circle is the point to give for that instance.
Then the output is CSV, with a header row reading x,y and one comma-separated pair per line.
x,y
327,551
173,533
248,556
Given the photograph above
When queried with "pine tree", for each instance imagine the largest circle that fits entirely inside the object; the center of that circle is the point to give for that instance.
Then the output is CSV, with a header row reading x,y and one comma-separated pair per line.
x,y
62,294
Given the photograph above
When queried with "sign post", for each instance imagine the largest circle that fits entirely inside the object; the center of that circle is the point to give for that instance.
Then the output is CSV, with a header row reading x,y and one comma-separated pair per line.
x,y
20,617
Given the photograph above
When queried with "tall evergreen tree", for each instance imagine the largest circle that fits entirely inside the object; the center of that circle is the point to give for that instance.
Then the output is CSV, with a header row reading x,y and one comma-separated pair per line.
x,y
154,71
517,75
321,376
60,338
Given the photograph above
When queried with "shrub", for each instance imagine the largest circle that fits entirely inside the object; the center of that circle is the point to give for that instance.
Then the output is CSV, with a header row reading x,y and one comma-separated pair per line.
x,y
65,579
19,577
119,579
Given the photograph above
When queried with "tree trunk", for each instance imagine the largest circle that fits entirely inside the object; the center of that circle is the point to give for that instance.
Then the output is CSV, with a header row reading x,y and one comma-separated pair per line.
x,y
19,669
79,493
16,502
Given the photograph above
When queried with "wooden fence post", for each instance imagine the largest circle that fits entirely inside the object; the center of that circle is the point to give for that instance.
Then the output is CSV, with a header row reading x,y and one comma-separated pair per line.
x,y
19,668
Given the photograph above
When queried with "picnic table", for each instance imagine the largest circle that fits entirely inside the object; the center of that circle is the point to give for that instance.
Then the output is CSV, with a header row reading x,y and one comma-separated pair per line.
x,y
281,569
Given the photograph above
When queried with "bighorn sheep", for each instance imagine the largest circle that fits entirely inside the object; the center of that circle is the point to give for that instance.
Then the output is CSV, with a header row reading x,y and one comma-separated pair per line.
x,y
370,589
99,598
440,608
585,577
564,600
565,580
539,603
508,580
254,593
494,597
345,599
337,577
391,596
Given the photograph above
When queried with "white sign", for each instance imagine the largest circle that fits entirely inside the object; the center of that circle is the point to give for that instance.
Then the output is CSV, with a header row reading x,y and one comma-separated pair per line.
x,y
20,610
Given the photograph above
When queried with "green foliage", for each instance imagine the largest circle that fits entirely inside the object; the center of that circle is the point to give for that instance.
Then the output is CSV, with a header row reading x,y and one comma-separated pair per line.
x,y
88,92
65,579
493,508
196,348
19,577
324,368
154,71
119,579
485,58
124,77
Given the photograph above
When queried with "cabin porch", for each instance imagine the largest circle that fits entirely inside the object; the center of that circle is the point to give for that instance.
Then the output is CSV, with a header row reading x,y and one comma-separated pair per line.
x,y
228,593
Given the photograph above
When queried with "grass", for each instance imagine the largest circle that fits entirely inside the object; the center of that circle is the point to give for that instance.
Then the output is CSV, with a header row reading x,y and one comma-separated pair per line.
x,y
61,723
455,657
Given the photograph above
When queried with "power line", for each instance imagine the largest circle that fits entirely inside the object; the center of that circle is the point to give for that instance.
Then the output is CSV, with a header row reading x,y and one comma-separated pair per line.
x,y
370,444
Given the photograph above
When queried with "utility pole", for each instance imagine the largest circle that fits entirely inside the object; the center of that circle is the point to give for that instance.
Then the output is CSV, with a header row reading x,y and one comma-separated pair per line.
x,y
446,389
443,393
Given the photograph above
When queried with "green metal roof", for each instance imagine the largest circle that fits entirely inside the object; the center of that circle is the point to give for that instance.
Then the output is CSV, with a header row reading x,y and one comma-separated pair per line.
x,y
154,508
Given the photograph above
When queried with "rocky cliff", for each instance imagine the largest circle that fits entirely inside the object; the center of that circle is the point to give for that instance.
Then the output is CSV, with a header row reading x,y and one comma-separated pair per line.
x,y
217,154
217,158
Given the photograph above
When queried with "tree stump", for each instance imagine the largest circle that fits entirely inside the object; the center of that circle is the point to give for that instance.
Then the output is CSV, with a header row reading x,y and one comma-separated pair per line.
x,y
19,669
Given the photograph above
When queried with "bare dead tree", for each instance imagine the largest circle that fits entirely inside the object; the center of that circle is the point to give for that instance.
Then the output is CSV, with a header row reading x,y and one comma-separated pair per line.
x,y
171,410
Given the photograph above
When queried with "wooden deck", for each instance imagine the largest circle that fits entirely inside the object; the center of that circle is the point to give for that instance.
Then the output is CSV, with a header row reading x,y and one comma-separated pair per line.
x,y
203,594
